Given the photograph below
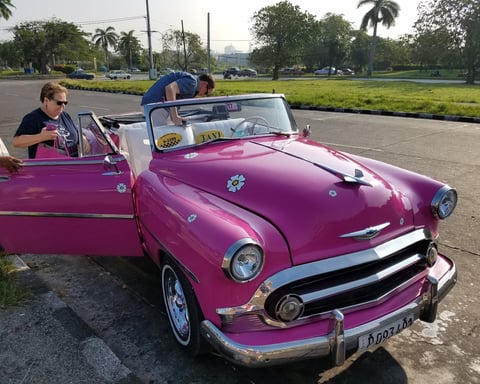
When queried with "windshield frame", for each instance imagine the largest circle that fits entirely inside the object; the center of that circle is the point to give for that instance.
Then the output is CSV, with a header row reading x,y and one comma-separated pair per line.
x,y
221,118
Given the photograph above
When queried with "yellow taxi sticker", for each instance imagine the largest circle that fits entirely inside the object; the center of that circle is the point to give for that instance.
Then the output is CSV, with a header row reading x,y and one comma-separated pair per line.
x,y
169,140
208,135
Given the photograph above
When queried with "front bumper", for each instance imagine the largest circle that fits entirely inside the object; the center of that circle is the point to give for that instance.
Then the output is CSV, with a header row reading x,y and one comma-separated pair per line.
x,y
338,342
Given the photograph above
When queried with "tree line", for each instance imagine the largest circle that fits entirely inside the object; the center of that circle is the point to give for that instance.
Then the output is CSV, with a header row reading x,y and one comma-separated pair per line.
x,y
445,35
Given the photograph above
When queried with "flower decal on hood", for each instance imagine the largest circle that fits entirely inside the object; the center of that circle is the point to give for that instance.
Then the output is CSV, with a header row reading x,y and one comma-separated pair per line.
x,y
236,183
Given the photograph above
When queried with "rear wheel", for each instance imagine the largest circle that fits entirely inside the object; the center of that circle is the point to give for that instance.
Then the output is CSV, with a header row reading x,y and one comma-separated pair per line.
x,y
182,309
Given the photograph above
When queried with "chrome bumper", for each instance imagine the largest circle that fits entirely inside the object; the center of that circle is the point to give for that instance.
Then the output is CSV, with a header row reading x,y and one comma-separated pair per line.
x,y
334,345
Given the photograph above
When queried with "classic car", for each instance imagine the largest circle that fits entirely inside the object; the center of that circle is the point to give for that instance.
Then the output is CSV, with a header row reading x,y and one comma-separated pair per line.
x,y
118,74
81,74
272,247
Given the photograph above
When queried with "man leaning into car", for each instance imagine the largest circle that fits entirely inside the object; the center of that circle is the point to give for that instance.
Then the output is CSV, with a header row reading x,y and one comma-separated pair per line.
x,y
177,85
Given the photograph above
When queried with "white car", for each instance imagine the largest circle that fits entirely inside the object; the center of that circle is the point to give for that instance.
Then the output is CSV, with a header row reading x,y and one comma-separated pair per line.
x,y
118,74
326,71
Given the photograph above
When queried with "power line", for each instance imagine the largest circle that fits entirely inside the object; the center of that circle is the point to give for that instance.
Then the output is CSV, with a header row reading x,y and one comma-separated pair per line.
x,y
90,22
108,20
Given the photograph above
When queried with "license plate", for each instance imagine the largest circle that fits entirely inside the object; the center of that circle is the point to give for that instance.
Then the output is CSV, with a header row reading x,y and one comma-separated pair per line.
x,y
381,335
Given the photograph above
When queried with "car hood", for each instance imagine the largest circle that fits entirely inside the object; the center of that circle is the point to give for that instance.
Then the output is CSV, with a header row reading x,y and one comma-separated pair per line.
x,y
323,202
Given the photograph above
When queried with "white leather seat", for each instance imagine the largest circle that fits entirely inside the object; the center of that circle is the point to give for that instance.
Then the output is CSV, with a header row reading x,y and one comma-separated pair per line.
x,y
135,146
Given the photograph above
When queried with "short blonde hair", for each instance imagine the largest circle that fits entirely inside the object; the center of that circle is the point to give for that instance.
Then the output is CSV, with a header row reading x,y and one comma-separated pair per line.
x,y
50,89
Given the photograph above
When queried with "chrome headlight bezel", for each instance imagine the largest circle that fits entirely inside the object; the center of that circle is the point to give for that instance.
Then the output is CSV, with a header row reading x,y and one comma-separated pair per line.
x,y
243,261
444,202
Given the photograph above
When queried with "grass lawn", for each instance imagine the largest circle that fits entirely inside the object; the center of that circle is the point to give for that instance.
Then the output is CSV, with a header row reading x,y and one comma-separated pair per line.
x,y
387,95
11,292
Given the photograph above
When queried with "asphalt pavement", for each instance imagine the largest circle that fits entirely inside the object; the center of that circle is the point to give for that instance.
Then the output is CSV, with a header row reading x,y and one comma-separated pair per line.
x,y
44,341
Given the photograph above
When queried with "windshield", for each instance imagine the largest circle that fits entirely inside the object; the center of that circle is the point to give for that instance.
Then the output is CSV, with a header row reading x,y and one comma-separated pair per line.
x,y
207,119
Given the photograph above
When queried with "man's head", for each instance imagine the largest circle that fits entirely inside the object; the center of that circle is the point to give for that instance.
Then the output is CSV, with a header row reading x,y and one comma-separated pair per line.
x,y
207,84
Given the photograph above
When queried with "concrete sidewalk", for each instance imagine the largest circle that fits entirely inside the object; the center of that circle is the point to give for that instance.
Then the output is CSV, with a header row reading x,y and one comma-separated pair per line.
x,y
43,341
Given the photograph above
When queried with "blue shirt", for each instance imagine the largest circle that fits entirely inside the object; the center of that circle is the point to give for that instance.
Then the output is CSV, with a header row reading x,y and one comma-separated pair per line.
x,y
188,85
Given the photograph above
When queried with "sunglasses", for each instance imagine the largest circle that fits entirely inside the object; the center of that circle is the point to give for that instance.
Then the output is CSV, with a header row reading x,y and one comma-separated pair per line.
x,y
59,102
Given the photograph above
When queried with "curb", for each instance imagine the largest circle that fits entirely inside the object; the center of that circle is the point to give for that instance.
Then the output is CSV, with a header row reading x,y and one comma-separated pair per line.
x,y
462,119
94,350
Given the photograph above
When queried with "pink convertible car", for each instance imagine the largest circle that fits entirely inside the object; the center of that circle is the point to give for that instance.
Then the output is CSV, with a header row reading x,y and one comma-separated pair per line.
x,y
272,247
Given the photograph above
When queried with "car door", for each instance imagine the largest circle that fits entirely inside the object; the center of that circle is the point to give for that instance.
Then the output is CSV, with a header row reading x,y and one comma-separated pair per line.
x,y
81,205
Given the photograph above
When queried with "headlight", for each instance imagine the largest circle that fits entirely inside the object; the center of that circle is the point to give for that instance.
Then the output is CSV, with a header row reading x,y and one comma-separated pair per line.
x,y
444,202
243,261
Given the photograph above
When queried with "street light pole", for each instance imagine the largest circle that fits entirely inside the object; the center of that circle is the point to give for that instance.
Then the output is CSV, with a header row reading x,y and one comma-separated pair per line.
x,y
152,71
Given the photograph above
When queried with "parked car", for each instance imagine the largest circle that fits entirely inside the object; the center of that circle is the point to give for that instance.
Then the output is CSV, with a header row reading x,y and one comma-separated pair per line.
x,y
348,72
81,74
290,71
325,71
247,72
231,72
118,74
271,247
134,70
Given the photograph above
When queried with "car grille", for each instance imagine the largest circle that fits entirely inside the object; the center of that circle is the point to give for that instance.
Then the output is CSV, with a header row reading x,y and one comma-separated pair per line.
x,y
348,283
337,289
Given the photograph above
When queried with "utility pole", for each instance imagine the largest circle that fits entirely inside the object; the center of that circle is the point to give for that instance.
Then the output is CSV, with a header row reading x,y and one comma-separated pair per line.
x,y
184,50
152,72
208,42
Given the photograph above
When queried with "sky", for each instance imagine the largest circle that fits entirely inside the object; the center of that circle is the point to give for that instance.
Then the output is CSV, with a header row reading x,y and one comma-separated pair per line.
x,y
230,21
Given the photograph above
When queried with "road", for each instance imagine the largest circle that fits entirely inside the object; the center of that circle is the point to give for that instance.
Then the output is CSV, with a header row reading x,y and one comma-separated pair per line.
x,y
120,300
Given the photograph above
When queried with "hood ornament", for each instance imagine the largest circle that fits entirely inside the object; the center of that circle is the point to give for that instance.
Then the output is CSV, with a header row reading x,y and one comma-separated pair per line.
x,y
367,233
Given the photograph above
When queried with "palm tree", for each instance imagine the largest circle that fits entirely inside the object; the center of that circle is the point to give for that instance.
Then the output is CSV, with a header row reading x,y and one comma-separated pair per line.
x,y
5,12
128,45
105,38
383,11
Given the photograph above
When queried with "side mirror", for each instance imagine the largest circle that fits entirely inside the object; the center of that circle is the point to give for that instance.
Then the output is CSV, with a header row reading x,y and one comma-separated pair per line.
x,y
306,131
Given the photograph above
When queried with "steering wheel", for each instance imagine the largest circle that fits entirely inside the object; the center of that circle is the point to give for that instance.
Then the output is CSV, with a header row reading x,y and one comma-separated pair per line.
x,y
254,120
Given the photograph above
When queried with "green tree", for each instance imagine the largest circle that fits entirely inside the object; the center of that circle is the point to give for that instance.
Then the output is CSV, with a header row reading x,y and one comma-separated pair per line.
x,y
432,48
281,31
460,19
105,38
42,42
5,11
359,50
384,12
10,54
129,47
183,50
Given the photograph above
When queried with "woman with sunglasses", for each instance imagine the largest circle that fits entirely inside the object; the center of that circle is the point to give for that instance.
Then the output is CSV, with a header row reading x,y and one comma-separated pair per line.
x,y
48,122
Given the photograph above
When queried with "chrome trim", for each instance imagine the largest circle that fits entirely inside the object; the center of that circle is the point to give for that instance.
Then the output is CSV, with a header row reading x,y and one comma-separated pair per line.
x,y
257,302
332,345
69,161
230,253
437,199
367,233
337,345
69,215
351,285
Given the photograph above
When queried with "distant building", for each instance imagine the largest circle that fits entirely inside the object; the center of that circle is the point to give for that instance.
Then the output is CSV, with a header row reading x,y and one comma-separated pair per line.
x,y
230,50
238,59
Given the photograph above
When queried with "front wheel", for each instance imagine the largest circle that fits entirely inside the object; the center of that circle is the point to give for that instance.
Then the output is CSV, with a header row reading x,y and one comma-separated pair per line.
x,y
182,309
